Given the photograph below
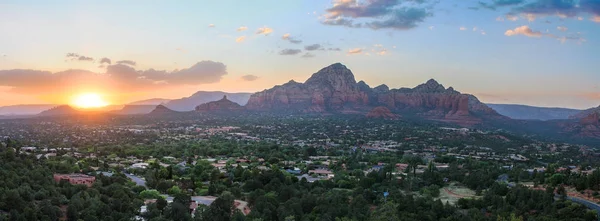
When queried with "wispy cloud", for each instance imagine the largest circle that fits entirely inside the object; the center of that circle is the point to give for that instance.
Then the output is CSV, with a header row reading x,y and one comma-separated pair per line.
x,y
77,57
249,77
493,5
512,17
127,62
355,51
312,47
559,8
240,39
105,61
290,51
116,77
288,37
526,31
523,30
211,25
562,28
462,28
242,28
380,14
264,30
530,17
308,55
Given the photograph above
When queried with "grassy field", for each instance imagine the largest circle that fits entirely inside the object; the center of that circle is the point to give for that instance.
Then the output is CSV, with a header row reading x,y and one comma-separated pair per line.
x,y
455,191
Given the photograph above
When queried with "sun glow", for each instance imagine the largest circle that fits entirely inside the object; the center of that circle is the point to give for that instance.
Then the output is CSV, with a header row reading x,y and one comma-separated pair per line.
x,y
89,100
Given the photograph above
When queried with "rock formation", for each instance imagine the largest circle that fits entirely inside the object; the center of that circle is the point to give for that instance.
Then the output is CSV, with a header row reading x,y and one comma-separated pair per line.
x,y
331,89
382,112
334,89
220,105
592,119
586,113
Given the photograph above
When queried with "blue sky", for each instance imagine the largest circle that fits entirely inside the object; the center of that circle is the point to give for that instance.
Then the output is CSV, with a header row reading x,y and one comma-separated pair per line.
x,y
537,52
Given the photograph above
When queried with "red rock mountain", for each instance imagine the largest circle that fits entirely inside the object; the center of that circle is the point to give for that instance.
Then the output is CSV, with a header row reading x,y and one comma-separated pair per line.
x,y
334,89
331,89
220,105
382,112
588,127
586,113
592,119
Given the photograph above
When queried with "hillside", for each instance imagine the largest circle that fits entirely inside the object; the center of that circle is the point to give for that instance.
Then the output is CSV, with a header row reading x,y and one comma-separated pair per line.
x,y
524,112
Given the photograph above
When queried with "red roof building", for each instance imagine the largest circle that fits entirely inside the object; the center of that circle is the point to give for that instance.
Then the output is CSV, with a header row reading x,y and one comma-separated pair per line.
x,y
76,179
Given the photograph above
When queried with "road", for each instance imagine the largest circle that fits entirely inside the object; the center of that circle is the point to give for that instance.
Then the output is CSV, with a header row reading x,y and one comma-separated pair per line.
x,y
587,203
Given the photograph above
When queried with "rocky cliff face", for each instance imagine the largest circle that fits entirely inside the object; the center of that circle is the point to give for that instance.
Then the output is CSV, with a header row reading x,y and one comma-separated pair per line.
x,y
331,89
585,113
586,127
334,89
220,105
592,119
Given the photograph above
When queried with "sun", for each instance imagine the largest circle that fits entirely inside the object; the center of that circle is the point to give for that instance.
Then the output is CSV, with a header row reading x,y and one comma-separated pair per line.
x,y
89,100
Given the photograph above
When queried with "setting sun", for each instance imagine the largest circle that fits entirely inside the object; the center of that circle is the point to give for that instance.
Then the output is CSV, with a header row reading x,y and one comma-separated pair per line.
x,y
89,100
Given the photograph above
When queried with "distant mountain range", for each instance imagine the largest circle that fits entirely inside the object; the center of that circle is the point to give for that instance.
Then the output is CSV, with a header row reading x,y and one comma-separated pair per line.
x,y
135,109
27,109
153,101
201,97
524,112
61,110
585,113
334,90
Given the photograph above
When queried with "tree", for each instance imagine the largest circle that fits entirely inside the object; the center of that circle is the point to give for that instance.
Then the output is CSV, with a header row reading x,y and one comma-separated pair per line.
x,y
161,203
562,192
221,209
386,212
178,211
359,208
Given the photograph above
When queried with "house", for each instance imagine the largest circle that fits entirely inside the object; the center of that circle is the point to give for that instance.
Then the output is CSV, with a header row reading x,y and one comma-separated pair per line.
x,y
295,171
309,178
140,165
28,149
326,173
401,166
76,179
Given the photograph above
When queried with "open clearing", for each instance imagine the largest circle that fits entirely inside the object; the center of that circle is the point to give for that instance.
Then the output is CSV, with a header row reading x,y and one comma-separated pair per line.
x,y
455,191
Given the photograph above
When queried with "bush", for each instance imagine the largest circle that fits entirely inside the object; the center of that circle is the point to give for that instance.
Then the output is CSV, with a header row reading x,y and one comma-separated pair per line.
x,y
174,190
150,194
202,192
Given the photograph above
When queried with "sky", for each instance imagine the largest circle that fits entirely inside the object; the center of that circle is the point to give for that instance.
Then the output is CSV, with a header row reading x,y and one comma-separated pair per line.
x,y
535,52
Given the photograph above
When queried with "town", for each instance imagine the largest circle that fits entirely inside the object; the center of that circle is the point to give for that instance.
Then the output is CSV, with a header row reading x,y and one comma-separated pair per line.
x,y
195,164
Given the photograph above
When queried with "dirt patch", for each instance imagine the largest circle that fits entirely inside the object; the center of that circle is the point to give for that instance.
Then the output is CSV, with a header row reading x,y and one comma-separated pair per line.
x,y
452,193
